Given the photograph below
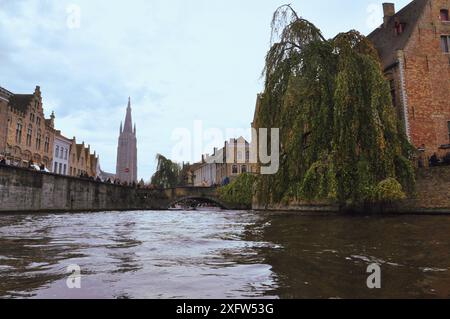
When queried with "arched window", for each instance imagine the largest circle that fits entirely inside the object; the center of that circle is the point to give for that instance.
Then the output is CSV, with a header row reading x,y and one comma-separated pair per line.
x,y
38,139
244,169
46,144
235,169
29,134
19,132
57,151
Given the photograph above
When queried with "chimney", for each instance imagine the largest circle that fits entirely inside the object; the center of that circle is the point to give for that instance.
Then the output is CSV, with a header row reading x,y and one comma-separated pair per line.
x,y
388,11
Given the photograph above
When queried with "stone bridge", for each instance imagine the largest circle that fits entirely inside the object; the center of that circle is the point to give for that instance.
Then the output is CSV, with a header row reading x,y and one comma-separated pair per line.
x,y
23,190
201,194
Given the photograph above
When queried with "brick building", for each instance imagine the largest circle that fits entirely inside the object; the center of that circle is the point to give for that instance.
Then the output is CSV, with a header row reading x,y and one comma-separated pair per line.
x,y
28,134
414,44
4,99
81,160
229,162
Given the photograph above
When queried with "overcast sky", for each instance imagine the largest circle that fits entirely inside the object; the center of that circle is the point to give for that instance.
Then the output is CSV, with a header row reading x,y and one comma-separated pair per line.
x,y
181,61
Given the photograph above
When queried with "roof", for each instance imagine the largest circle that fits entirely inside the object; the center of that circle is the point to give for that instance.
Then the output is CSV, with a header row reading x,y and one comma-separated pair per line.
x,y
21,102
384,38
195,166
257,109
58,135
4,93
79,146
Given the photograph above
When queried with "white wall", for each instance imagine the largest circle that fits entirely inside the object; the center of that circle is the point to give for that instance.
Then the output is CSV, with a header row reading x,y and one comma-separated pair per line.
x,y
205,175
61,152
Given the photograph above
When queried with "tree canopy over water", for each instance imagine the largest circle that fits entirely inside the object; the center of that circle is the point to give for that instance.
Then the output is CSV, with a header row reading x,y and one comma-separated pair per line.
x,y
168,173
340,138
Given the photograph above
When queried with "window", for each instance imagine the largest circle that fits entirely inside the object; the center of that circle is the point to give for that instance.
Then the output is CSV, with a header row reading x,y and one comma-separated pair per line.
x,y
46,144
399,28
244,169
38,121
38,140
445,43
66,151
235,169
19,132
60,168
444,15
240,156
57,151
55,169
65,167
448,124
29,134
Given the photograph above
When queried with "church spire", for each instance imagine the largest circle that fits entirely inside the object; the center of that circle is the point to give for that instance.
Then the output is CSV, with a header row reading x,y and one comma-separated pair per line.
x,y
126,167
128,128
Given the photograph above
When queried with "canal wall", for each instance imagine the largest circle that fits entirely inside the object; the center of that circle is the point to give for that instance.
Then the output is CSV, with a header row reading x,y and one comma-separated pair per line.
x,y
432,197
22,190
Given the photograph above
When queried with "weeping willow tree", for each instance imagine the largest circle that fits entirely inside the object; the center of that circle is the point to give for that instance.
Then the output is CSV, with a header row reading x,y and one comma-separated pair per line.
x,y
339,135
167,173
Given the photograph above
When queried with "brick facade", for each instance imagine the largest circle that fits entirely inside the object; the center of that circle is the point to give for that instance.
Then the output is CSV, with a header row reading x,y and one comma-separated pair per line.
x,y
418,69
29,135
229,162
3,120
81,161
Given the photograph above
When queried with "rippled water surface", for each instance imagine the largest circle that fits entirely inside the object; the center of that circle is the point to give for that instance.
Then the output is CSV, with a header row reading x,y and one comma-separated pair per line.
x,y
222,254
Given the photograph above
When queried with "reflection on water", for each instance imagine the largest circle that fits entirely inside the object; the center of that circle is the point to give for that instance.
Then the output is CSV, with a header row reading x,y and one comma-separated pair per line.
x,y
223,255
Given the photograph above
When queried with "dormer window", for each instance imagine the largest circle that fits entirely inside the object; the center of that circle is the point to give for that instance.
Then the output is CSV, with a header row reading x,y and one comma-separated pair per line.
x,y
399,27
444,15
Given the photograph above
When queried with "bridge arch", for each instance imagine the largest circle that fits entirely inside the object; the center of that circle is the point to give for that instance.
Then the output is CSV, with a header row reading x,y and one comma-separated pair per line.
x,y
201,194
208,199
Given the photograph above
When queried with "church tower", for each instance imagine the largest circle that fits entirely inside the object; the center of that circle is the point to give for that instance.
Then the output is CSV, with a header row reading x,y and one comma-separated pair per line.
x,y
126,170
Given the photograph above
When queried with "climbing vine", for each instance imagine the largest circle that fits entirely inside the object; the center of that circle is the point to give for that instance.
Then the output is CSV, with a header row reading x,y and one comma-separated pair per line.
x,y
339,135
239,192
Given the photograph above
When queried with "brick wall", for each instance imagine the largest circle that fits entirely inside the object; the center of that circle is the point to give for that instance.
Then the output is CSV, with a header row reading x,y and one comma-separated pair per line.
x,y
3,124
432,196
427,80
433,192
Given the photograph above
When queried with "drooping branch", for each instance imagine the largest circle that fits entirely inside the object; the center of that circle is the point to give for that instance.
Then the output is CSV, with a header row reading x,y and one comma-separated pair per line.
x,y
333,107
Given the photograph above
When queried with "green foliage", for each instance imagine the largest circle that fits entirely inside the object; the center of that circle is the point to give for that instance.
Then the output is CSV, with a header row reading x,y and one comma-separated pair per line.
x,y
339,134
168,173
239,191
390,190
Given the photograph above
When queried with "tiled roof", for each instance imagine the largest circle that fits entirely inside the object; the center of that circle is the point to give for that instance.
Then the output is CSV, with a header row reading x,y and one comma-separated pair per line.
x,y
21,102
385,39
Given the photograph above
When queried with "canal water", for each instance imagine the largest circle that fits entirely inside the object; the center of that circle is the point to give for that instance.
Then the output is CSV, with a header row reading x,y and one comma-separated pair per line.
x,y
223,254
